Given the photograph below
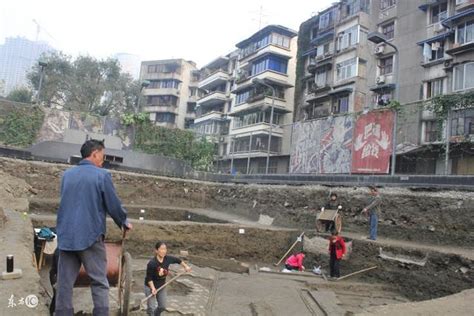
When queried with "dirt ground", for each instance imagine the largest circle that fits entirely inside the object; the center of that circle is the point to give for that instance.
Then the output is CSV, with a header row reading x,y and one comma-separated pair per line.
x,y
425,216
206,219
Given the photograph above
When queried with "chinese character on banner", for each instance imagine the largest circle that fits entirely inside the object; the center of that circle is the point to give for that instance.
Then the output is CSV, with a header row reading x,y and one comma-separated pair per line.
x,y
372,143
21,301
11,302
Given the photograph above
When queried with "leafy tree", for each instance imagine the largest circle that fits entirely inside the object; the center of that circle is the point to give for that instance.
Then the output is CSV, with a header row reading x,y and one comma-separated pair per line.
x,y
85,84
22,95
180,144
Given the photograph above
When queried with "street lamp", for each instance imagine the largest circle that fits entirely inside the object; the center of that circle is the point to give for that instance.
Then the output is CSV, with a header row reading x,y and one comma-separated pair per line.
x,y
377,38
262,82
42,65
143,85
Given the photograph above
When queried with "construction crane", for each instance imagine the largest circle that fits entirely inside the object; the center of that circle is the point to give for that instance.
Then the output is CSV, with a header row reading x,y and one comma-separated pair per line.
x,y
39,28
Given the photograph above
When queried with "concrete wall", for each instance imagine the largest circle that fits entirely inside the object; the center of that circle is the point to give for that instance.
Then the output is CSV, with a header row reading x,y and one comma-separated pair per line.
x,y
135,160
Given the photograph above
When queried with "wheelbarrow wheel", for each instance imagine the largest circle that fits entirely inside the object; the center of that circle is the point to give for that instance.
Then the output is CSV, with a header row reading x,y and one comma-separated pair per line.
x,y
125,284
338,223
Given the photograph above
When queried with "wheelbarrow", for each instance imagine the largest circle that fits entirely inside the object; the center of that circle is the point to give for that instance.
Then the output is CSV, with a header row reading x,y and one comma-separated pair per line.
x,y
119,273
328,219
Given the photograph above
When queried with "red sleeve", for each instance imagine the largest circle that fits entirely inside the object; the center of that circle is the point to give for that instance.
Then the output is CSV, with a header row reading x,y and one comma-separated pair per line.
x,y
343,246
300,262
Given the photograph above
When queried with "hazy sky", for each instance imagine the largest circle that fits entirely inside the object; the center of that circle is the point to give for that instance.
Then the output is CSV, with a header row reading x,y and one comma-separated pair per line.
x,y
195,29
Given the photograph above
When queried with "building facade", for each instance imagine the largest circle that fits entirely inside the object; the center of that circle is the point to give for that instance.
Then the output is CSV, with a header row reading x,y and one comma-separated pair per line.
x,y
340,71
264,78
17,57
170,97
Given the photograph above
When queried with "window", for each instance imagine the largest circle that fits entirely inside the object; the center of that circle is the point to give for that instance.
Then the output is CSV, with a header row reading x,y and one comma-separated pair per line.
x,y
462,122
383,98
163,100
270,63
321,78
465,32
434,88
256,118
431,131
439,12
165,117
347,69
348,38
162,68
386,65
464,76
355,6
163,84
389,30
242,97
281,40
385,4
341,105
327,19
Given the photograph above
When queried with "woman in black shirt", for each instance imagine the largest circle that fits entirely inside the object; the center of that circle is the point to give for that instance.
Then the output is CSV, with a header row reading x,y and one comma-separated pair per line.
x,y
156,272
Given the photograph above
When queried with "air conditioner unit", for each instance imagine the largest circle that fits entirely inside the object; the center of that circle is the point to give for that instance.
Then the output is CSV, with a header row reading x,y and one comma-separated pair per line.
x,y
438,27
380,79
379,49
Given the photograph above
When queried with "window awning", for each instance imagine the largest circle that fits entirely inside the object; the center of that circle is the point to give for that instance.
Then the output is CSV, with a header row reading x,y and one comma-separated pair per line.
x,y
310,52
424,7
436,38
340,91
387,86
452,19
321,38
259,107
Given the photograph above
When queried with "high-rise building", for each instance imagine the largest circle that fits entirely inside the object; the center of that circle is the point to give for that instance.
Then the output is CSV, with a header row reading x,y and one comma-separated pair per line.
x,y
17,57
169,96
238,101
341,71
130,64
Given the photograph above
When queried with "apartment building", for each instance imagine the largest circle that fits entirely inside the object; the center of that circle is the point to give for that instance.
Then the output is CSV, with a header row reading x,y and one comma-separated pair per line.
x,y
265,65
340,71
447,64
214,101
170,98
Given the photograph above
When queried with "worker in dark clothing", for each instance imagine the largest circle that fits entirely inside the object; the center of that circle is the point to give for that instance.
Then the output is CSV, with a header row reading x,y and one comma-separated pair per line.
x,y
156,272
332,204
337,250
373,210
53,274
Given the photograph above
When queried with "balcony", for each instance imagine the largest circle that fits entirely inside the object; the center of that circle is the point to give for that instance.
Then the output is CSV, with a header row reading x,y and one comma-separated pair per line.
x,y
258,103
214,79
269,75
213,98
162,76
464,5
161,109
212,115
269,49
460,49
162,91
256,145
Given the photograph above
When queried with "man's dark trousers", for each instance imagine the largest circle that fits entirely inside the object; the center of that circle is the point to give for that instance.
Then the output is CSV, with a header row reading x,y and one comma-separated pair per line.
x,y
94,260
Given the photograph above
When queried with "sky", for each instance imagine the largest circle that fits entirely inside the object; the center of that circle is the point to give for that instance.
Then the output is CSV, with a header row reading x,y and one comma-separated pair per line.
x,y
198,30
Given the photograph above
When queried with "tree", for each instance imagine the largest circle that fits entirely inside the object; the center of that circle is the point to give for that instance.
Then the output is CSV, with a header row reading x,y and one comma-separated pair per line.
x,y
22,95
85,84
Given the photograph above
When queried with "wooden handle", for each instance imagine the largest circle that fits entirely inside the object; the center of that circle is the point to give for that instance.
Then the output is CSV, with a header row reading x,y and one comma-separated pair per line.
x,y
292,246
354,273
163,286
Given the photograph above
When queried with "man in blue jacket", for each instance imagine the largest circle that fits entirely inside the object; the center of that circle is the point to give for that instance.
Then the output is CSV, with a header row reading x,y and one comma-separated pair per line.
x,y
87,195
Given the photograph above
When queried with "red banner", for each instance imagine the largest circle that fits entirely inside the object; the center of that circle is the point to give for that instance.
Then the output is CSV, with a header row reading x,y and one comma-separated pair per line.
x,y
372,142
